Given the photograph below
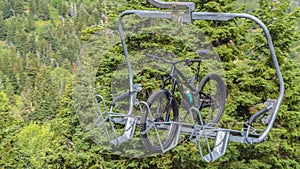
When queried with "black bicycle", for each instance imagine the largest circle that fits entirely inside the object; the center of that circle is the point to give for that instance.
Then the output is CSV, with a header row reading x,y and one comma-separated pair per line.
x,y
209,98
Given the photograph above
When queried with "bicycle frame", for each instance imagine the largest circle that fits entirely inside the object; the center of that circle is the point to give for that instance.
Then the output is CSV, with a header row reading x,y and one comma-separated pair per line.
x,y
222,136
175,76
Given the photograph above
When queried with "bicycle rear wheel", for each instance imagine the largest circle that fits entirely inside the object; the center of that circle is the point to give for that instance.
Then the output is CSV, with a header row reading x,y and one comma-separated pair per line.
x,y
163,108
212,95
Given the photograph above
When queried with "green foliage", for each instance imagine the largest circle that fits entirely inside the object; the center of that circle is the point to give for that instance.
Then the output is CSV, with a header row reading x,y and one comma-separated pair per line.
x,y
18,7
2,27
7,9
10,126
4,103
45,97
62,8
34,140
43,43
71,146
86,33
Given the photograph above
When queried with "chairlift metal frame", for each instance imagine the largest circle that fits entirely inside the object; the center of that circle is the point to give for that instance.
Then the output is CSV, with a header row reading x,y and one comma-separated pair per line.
x,y
222,136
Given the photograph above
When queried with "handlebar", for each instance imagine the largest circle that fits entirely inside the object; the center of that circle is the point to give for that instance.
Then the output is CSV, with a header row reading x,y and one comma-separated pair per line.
x,y
187,61
256,115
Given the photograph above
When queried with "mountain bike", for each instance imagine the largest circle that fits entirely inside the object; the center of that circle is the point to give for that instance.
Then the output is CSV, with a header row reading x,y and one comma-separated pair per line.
x,y
163,110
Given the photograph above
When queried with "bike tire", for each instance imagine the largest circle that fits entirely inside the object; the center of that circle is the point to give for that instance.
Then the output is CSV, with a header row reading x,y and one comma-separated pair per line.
x,y
159,101
212,96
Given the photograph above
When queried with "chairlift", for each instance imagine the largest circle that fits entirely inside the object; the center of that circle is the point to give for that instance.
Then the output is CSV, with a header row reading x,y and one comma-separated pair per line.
x,y
198,128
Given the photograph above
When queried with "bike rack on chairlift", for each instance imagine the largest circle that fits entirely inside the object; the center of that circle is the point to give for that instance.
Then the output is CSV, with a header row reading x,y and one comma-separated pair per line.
x,y
107,118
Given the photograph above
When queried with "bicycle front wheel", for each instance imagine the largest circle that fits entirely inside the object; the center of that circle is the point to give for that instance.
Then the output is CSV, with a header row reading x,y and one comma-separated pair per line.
x,y
157,123
212,95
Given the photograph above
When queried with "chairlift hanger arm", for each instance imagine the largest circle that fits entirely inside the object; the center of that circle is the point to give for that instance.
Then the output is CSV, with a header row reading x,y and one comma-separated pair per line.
x,y
171,5
187,60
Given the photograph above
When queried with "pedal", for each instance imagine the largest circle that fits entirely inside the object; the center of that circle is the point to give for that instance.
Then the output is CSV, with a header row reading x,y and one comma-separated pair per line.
x,y
128,131
220,146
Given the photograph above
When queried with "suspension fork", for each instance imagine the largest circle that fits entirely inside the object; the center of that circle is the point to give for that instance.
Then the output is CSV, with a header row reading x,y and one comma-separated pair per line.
x,y
170,94
197,74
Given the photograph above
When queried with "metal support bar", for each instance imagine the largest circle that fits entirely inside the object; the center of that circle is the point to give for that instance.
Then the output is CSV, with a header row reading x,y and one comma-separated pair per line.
x,y
171,5
176,6
220,146
128,131
175,16
274,59
101,120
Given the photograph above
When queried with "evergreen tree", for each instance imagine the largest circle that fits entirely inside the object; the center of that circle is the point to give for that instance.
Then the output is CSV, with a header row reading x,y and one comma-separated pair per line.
x,y
18,7
62,8
10,31
33,8
29,23
31,43
43,10
20,42
33,141
38,54
75,147
7,9
2,27
10,126
45,97
28,98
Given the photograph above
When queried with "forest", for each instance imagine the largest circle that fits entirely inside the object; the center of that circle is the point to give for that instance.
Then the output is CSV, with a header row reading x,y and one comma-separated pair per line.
x,y
48,47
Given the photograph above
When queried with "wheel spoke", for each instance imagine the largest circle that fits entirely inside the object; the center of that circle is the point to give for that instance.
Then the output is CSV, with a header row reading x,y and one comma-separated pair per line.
x,y
212,100
162,108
